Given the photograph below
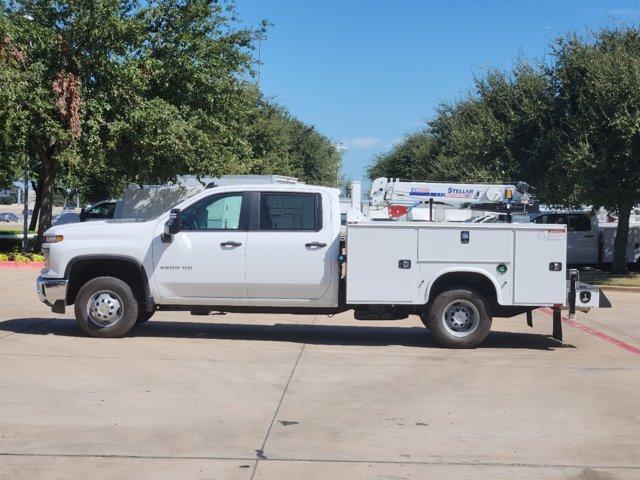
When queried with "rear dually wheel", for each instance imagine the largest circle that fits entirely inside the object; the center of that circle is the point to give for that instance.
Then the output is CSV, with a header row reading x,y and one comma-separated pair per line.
x,y
457,318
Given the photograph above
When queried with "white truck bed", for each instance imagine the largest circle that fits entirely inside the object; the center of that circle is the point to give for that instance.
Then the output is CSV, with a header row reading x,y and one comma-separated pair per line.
x,y
374,250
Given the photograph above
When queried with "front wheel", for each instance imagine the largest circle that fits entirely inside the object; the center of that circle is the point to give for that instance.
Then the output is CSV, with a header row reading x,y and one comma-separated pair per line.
x,y
106,307
458,319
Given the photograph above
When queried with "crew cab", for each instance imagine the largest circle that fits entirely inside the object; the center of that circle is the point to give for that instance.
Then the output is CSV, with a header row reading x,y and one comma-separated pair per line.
x,y
279,248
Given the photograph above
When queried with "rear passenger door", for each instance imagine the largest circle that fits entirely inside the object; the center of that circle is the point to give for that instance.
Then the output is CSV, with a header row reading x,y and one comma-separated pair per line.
x,y
291,252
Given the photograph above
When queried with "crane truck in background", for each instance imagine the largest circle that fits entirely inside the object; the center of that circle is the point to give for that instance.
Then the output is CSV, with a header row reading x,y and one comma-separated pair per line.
x,y
278,248
589,242
392,198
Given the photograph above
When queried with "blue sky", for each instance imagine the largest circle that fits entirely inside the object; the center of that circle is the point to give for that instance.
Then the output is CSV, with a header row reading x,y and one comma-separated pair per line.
x,y
365,73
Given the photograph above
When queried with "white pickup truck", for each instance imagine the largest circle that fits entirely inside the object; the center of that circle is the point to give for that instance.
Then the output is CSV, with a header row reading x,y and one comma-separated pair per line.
x,y
590,243
279,248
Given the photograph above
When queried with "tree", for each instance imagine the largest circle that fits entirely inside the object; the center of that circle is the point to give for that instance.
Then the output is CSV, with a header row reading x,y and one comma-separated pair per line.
x,y
114,91
102,94
570,128
411,159
283,144
598,81
501,131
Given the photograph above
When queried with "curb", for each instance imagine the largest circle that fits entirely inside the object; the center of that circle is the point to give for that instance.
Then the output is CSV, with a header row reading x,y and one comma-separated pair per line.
x,y
617,289
22,265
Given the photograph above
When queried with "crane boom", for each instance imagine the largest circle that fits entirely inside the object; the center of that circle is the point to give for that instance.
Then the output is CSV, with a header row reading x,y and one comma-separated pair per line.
x,y
399,196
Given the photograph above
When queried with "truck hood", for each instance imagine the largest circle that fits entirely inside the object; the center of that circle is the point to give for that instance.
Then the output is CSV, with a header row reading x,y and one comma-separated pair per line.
x,y
104,229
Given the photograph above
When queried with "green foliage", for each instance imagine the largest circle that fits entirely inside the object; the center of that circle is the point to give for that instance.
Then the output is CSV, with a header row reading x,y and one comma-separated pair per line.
x,y
285,145
599,97
571,129
17,256
103,93
503,130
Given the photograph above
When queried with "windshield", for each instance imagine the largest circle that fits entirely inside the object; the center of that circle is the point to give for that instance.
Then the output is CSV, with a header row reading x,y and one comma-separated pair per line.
x,y
149,203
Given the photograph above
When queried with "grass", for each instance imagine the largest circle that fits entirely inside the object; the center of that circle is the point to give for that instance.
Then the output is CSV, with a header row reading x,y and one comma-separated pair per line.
x,y
597,277
12,230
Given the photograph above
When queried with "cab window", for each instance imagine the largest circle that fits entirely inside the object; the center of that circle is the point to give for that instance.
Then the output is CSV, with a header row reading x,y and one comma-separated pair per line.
x,y
290,211
574,223
218,212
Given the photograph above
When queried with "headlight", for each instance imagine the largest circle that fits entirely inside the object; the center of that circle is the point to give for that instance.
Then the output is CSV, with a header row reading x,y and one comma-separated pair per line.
x,y
53,238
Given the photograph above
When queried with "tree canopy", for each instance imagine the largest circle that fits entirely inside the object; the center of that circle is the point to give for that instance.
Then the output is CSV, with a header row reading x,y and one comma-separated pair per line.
x,y
101,94
570,127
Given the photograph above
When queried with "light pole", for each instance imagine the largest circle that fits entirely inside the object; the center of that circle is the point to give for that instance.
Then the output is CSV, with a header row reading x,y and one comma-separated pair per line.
x,y
25,198
25,211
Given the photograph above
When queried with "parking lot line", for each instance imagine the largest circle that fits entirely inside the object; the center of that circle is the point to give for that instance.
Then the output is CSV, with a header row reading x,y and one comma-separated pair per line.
x,y
260,452
596,333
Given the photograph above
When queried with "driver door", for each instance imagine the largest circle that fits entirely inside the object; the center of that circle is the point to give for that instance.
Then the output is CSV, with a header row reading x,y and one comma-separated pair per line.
x,y
206,259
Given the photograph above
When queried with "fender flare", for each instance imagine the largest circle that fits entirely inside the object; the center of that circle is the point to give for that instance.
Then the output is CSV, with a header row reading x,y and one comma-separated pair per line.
x,y
126,258
459,269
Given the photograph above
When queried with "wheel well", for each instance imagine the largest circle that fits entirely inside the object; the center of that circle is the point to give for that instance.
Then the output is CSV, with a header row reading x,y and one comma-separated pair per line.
x,y
472,280
81,271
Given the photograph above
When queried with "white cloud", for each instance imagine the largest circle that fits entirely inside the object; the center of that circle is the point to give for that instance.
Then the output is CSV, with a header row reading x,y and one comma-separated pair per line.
x,y
361,143
615,12
392,143
627,13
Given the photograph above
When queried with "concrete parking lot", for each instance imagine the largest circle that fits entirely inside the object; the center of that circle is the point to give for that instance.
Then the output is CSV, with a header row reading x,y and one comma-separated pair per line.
x,y
291,397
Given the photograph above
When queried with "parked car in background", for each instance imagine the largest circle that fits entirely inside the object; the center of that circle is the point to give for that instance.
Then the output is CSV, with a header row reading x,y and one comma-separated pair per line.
x,y
590,243
103,210
65,217
9,217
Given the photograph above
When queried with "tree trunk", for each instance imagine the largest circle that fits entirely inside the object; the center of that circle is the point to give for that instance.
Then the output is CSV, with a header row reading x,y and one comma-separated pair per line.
x,y
620,242
37,188
47,182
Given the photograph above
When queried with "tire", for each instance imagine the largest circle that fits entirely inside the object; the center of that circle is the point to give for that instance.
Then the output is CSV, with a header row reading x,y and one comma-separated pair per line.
x,y
106,307
143,316
468,323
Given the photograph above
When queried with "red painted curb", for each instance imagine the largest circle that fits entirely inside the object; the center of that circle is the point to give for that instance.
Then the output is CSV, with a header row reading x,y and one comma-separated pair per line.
x,y
22,265
595,333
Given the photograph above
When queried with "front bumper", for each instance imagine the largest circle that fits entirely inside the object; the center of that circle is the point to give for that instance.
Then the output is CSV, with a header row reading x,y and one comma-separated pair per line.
x,y
52,292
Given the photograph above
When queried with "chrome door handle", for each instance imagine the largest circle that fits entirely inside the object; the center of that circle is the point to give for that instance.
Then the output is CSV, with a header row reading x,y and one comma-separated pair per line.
x,y
230,244
315,244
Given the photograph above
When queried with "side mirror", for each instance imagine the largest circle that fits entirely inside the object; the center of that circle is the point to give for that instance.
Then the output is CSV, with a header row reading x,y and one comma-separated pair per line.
x,y
173,225
83,215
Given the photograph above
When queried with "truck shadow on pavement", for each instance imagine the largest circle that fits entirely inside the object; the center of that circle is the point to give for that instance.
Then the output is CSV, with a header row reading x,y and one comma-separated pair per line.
x,y
314,334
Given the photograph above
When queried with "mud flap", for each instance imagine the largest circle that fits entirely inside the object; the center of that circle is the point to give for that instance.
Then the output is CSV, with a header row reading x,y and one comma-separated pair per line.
x,y
557,315
557,324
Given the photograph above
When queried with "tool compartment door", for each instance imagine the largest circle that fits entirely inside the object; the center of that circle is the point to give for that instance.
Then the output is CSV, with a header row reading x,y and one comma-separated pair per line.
x,y
374,271
535,283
